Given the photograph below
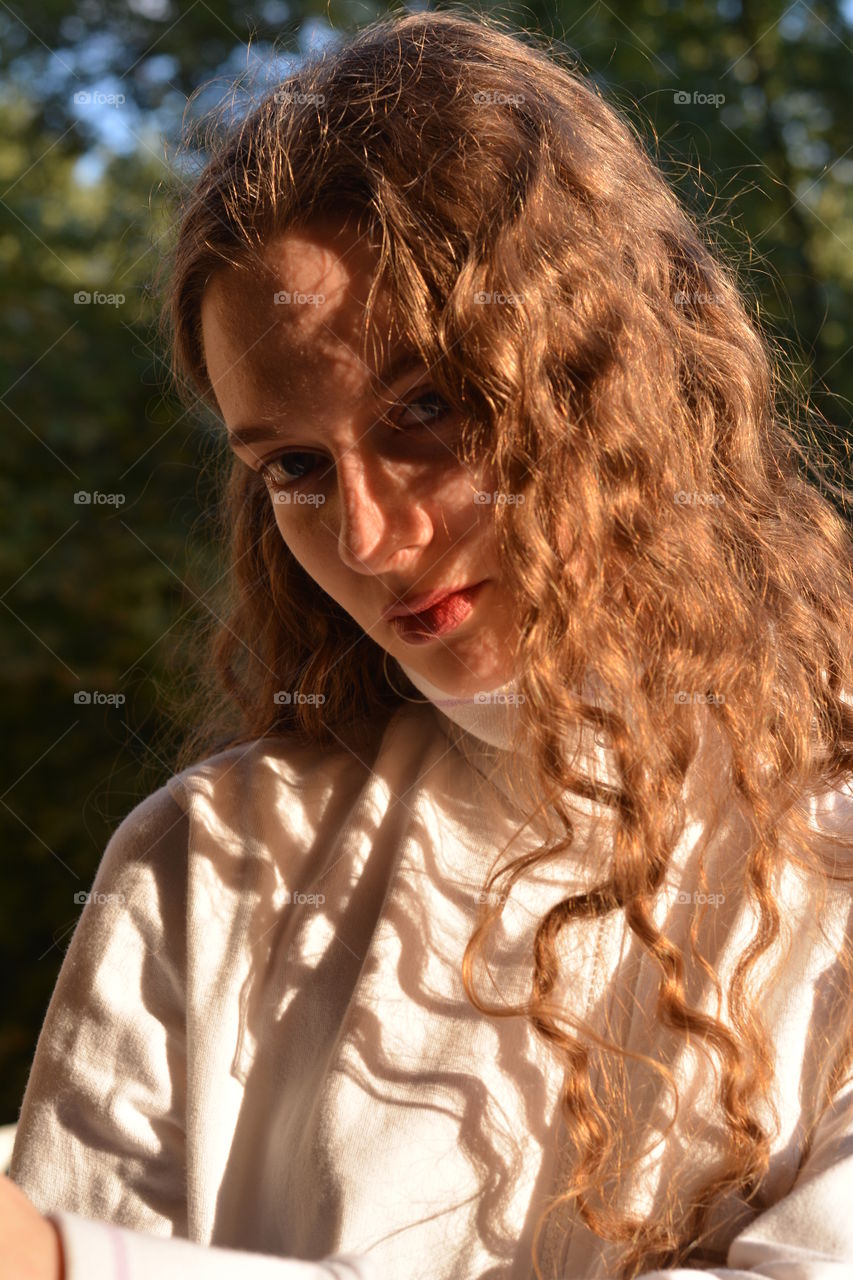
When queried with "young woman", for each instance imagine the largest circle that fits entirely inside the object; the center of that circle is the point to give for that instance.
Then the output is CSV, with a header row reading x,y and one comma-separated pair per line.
x,y
496,922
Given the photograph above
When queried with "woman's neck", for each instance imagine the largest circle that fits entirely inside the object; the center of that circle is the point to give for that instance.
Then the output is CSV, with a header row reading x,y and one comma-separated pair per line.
x,y
489,721
489,715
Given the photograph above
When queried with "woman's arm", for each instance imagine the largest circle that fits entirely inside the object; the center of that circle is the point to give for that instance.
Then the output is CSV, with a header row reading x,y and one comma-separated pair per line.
x,y
98,1169
30,1245
101,1128
808,1234
66,1247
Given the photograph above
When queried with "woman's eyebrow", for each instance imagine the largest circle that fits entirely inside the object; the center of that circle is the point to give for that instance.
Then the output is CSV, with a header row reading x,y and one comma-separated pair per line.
x,y
403,362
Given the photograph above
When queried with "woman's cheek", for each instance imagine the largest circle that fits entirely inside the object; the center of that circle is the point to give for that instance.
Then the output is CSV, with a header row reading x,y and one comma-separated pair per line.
x,y
303,528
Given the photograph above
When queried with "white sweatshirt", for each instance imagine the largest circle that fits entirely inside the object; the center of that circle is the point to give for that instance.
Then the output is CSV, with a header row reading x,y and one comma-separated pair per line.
x,y
260,1042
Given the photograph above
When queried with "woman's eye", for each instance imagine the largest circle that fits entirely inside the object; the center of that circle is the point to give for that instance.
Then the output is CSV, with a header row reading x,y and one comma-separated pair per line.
x,y
278,471
434,396
282,463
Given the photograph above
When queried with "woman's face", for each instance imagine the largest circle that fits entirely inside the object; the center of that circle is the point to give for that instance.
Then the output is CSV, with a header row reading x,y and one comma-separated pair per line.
x,y
366,488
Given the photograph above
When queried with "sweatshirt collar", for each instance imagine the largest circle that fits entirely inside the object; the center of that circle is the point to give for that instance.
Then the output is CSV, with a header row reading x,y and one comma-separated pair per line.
x,y
482,728
489,714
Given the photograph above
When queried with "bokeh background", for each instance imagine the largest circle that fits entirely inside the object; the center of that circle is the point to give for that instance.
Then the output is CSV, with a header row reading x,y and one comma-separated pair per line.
x,y
744,103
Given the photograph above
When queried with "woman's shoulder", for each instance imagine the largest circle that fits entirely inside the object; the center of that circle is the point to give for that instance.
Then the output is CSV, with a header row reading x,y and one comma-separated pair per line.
x,y
281,761
243,786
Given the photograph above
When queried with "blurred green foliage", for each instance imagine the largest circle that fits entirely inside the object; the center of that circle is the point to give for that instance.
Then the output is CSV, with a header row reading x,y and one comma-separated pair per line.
x,y
94,594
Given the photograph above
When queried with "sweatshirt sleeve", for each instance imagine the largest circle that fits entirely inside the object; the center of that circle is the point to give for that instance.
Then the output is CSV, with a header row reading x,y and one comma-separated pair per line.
x,y
808,1234
103,1251
100,1141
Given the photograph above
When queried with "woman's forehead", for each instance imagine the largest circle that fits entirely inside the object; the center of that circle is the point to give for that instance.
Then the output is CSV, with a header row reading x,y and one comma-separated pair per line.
x,y
260,352
303,303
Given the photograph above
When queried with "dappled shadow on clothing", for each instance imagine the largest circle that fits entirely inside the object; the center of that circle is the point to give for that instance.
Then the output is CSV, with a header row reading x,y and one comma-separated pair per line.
x,y
377,1099
379,1110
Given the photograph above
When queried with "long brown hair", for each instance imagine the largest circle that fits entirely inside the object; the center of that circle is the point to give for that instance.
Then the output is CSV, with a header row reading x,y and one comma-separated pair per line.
x,y
666,541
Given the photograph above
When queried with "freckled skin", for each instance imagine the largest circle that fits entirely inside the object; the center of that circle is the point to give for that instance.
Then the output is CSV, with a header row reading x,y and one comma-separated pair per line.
x,y
397,514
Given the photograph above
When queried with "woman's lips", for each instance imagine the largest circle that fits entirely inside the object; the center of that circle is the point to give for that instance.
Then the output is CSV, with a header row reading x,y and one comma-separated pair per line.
x,y
419,628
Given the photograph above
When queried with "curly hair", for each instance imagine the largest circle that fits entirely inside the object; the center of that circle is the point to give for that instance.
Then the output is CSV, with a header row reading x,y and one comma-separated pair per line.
x,y
667,545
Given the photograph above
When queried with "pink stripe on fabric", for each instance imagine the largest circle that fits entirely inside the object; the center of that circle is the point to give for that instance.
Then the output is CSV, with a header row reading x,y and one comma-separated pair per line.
x,y
120,1247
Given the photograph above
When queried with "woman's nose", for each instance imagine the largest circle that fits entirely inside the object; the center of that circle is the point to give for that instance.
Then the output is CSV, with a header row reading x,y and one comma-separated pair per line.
x,y
380,513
